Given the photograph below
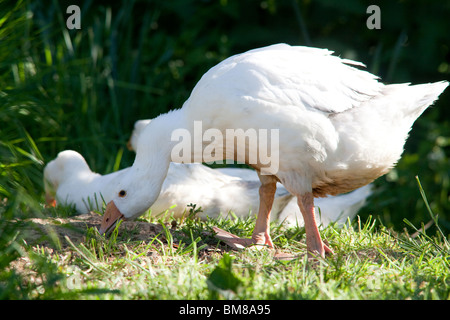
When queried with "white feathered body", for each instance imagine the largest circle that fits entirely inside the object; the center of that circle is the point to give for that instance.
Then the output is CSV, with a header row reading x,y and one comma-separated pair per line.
x,y
339,128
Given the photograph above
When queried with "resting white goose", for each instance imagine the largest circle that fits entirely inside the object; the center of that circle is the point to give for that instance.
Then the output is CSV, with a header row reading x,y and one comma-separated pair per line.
x,y
338,128
69,180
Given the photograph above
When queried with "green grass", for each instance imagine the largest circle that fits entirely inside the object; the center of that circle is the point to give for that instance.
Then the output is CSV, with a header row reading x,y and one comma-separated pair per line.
x,y
370,262
83,90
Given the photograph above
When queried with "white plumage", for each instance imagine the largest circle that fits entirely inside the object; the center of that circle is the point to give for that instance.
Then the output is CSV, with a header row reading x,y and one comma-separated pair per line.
x,y
339,129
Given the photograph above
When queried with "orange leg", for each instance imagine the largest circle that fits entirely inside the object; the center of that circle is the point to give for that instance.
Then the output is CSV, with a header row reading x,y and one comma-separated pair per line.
x,y
261,233
314,242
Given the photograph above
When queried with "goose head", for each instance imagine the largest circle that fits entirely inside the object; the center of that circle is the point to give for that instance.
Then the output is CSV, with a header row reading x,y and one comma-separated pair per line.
x,y
64,167
132,195
137,131
139,187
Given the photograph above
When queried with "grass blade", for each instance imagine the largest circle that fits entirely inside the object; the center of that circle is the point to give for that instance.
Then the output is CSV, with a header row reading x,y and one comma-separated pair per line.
x,y
432,215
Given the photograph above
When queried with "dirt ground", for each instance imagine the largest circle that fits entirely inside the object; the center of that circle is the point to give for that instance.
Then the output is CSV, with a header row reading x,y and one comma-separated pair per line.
x,y
75,228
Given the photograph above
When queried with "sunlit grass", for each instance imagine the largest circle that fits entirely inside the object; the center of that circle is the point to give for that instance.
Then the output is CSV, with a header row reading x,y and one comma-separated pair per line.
x,y
370,263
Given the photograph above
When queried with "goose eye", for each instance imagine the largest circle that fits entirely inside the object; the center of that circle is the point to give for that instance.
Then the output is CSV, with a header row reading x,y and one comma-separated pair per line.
x,y
122,193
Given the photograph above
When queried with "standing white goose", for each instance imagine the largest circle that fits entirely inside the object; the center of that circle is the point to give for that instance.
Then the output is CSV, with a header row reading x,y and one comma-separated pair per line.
x,y
339,129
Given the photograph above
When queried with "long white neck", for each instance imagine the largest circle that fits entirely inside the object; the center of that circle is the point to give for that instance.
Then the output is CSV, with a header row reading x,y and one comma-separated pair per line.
x,y
153,154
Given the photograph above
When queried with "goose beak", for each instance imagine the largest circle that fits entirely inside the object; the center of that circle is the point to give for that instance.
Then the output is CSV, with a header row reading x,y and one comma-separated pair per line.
x,y
50,201
111,216
129,145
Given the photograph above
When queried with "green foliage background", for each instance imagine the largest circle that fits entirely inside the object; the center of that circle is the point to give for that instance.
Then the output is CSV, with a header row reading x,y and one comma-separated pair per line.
x,y
84,89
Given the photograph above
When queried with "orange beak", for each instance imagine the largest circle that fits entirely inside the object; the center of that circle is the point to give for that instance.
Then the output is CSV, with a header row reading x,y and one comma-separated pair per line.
x,y
111,216
129,146
50,201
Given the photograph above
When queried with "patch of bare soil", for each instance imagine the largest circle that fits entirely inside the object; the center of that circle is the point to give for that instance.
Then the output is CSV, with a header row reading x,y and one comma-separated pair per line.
x,y
44,231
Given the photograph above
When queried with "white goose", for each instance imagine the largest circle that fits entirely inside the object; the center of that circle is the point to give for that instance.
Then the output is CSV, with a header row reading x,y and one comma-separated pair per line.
x,y
68,180
339,129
